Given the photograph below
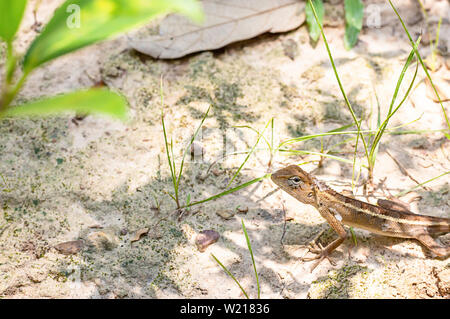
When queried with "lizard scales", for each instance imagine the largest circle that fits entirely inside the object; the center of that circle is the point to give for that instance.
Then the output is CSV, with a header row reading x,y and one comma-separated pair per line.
x,y
338,209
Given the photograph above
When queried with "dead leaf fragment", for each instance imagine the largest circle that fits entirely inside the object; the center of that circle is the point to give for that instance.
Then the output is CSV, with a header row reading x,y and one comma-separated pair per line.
x,y
69,247
226,213
226,21
242,210
141,232
206,238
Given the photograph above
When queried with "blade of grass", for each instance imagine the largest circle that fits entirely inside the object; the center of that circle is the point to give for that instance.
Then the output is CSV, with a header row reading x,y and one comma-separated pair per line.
x,y
169,160
353,236
347,102
231,275
422,63
253,259
319,154
391,112
259,134
229,191
420,185
369,132
249,154
190,143
354,159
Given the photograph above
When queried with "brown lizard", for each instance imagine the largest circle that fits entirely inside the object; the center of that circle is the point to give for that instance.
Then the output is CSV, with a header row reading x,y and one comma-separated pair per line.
x,y
339,210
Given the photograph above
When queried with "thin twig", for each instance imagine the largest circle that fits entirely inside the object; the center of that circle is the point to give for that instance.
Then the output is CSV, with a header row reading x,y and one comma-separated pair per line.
x,y
405,172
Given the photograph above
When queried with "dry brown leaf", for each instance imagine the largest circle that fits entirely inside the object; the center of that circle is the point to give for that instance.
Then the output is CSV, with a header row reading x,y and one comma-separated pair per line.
x,y
226,21
139,233
69,247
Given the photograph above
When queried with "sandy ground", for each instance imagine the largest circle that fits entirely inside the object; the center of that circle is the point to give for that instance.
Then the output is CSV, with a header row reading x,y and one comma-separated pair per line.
x,y
99,181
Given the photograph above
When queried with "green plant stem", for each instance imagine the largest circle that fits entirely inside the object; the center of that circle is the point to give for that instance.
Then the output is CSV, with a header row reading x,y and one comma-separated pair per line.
x,y
355,120
422,63
11,94
253,258
419,185
391,112
231,275
190,143
229,191
250,153
172,172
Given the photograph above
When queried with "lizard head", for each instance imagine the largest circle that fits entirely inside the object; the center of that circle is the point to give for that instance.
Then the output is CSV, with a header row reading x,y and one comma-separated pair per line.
x,y
296,182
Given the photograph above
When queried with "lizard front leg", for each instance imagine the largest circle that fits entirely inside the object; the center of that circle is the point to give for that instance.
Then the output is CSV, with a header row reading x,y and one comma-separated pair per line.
x,y
322,253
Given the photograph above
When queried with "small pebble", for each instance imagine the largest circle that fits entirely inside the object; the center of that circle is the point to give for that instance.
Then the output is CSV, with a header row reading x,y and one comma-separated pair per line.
x,y
69,247
102,240
226,213
290,48
206,238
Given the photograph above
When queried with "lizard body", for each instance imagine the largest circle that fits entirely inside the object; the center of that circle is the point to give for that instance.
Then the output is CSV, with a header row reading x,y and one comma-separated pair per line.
x,y
341,210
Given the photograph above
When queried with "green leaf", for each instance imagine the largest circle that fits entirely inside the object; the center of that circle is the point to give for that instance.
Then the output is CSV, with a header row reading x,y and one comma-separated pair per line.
x,y
354,12
100,101
313,28
253,258
11,12
78,23
350,37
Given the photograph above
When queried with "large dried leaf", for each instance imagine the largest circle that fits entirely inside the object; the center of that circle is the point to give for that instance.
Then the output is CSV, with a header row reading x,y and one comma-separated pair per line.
x,y
226,21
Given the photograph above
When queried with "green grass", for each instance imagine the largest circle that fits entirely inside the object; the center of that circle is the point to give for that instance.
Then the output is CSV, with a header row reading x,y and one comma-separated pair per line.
x,y
176,178
422,63
57,39
370,138
225,269
371,146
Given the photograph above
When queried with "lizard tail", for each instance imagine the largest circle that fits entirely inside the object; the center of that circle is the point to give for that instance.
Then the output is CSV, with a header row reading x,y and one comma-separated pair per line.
x,y
442,226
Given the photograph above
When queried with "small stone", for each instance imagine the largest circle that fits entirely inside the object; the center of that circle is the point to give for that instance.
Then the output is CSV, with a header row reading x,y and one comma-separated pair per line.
x,y
242,210
216,172
444,282
155,233
360,254
102,240
206,238
226,214
290,48
69,247
37,275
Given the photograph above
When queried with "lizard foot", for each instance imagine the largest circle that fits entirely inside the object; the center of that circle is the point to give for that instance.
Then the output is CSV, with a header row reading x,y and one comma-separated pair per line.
x,y
320,254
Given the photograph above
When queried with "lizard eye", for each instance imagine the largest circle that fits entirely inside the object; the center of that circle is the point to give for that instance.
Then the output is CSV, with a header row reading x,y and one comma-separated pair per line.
x,y
294,181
